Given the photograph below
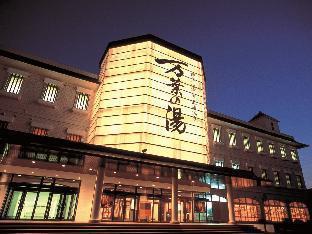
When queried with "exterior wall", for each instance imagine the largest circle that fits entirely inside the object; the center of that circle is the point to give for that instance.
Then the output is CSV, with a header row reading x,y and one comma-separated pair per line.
x,y
251,158
131,106
25,109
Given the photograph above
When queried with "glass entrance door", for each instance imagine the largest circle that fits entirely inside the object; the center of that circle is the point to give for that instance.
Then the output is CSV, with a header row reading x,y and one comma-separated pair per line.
x,y
118,208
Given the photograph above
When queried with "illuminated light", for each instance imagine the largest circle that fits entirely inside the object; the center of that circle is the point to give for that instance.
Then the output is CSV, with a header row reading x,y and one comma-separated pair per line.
x,y
157,177
118,182
33,161
179,191
193,181
119,185
4,170
74,180
90,169
136,174
153,185
63,165
168,187
179,195
32,172
137,184
122,66
115,172
140,187
56,175
112,190
19,175
169,198
79,178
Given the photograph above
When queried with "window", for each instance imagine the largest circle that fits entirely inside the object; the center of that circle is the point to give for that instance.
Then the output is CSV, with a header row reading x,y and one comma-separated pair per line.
x,y
272,126
49,93
81,101
275,211
276,178
40,154
259,146
216,135
299,181
235,165
14,83
288,180
232,138
271,149
246,210
283,151
299,211
219,163
73,137
264,174
39,131
294,155
3,124
246,142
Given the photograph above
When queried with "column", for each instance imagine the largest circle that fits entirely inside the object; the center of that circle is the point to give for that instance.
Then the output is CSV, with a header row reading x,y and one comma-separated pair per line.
x,y
174,196
98,190
229,197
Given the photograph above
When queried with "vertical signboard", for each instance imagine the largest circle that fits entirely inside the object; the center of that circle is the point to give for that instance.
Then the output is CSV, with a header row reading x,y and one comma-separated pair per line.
x,y
151,97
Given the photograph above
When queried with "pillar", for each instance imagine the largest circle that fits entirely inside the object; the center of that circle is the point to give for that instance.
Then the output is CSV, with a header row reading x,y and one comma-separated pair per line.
x,y
98,191
174,196
229,197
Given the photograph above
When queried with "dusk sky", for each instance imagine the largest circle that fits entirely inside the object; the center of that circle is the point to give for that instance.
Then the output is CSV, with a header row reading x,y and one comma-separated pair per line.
x,y
257,54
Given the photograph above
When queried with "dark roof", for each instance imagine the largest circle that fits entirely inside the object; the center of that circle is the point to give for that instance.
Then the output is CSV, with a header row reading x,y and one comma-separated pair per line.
x,y
260,114
22,138
43,63
231,120
150,37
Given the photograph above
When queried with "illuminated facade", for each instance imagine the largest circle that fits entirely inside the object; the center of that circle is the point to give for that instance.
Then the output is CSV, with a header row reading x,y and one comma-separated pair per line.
x,y
137,144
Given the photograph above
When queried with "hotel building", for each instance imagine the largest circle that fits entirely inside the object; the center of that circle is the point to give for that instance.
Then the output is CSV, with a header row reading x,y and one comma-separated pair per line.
x,y
136,143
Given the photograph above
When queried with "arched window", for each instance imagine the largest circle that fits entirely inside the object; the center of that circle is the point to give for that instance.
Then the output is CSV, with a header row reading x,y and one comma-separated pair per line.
x,y
275,211
299,211
246,210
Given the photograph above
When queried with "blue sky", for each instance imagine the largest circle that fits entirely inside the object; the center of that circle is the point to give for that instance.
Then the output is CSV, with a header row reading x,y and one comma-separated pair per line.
x,y
257,54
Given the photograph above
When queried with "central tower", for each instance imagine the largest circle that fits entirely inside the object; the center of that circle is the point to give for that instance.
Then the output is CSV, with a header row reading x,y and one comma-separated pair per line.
x,y
151,97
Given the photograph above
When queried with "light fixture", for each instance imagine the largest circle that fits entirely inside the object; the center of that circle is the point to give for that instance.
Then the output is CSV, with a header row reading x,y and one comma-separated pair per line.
x,y
19,175
119,185
4,170
90,169
136,174
137,184
63,165
153,185
33,161
56,175
118,182
32,172
193,181
179,195
157,177
115,172
79,178
168,187
140,187
74,180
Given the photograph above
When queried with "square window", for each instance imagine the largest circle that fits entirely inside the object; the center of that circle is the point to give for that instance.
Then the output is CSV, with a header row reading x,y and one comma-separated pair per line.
x,y
219,163
264,174
271,149
235,165
283,151
288,180
14,83
73,137
246,142
50,92
294,155
39,131
4,124
232,138
81,101
259,146
276,178
216,134
299,181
